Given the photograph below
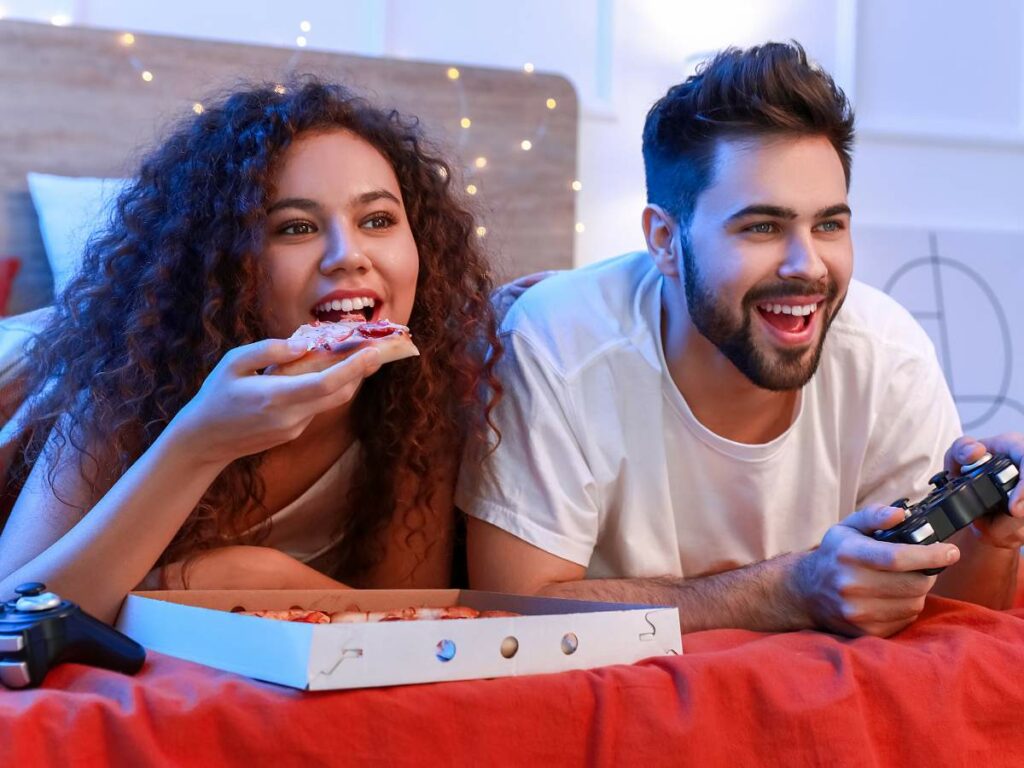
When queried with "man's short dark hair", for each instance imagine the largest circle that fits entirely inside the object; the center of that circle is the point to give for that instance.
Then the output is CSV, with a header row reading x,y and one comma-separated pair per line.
x,y
768,90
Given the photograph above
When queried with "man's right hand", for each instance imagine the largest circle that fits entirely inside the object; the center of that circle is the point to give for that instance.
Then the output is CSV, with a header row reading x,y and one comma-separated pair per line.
x,y
855,585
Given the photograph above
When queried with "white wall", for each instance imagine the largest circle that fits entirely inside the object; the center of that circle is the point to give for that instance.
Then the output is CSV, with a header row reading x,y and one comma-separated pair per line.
x,y
939,87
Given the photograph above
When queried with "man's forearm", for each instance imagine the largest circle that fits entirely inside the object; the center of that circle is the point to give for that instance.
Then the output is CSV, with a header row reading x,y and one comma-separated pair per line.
x,y
985,575
761,596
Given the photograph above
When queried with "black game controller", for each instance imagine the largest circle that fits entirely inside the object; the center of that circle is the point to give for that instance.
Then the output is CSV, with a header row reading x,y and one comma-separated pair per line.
x,y
982,488
38,630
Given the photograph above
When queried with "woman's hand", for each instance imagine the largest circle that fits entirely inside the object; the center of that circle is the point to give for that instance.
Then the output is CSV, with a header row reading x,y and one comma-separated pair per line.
x,y
239,567
238,412
504,296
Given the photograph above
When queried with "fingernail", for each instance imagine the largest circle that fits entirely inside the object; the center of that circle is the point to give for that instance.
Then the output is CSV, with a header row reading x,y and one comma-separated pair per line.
x,y
964,453
952,555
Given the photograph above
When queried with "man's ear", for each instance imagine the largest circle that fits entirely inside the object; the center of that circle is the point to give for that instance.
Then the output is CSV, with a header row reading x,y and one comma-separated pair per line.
x,y
661,234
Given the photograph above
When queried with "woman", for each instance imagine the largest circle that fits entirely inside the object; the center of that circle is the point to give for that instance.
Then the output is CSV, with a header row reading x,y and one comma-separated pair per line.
x,y
157,445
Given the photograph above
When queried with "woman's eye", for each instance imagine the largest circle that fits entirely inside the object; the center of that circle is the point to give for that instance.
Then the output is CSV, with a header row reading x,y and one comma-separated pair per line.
x,y
297,228
378,221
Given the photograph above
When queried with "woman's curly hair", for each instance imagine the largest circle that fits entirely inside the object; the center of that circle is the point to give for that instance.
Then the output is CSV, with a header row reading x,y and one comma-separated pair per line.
x,y
174,281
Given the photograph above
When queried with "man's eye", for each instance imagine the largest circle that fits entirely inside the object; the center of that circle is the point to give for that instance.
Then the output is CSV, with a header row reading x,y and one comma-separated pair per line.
x,y
762,228
379,221
830,226
297,228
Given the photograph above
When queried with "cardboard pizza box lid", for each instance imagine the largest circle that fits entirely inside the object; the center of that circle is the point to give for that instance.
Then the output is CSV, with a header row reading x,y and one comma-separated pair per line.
x,y
551,635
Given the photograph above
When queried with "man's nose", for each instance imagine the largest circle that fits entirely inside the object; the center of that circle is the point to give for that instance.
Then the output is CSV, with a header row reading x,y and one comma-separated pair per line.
x,y
803,260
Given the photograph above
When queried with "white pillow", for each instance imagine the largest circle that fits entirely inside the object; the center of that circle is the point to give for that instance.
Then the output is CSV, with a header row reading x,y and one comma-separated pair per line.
x,y
69,211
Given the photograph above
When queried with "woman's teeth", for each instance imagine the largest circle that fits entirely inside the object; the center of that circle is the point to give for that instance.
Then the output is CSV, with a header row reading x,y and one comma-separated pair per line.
x,y
344,305
788,309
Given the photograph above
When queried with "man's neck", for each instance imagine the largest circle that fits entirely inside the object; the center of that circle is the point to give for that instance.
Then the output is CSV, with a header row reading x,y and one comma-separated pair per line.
x,y
718,394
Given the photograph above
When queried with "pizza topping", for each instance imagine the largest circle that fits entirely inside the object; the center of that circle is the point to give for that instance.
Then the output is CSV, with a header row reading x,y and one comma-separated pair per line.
x,y
330,335
355,616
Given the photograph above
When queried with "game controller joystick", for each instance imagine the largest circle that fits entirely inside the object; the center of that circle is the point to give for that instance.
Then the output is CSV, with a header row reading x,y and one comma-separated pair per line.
x,y
983,488
39,630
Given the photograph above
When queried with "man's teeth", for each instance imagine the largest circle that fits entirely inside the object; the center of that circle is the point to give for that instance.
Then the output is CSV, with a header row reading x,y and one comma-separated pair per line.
x,y
788,309
345,305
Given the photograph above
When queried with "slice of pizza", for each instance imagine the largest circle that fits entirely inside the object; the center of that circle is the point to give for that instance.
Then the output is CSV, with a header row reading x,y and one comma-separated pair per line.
x,y
328,342
291,614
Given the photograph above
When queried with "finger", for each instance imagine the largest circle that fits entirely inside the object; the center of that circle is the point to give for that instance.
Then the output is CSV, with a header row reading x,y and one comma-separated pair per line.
x,y
250,358
530,280
964,450
875,517
885,556
319,385
1009,443
868,583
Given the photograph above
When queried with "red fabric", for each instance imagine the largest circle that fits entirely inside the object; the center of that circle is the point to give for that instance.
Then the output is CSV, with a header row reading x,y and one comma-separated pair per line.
x,y
9,266
947,691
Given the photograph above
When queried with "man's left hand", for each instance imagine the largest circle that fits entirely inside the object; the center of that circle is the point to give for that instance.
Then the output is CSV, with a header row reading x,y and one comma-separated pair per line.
x,y
998,530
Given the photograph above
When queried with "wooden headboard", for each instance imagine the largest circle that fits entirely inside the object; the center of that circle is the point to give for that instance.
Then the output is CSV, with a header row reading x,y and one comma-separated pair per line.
x,y
74,102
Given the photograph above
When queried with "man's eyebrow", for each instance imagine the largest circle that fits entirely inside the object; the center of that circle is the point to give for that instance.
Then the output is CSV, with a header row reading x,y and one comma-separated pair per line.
x,y
779,212
834,210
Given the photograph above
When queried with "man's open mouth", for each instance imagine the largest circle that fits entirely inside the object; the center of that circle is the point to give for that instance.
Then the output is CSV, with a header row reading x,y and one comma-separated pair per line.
x,y
788,318
358,309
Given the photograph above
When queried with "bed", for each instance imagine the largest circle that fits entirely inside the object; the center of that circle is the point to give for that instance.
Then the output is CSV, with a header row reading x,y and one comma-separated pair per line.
x,y
947,691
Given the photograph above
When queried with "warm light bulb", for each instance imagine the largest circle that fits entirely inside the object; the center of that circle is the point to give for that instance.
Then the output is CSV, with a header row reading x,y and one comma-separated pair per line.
x,y
480,162
147,76
481,231
465,122
197,108
551,103
576,186
127,39
579,226
526,144
442,172
471,189
528,68
453,73
305,26
300,41
279,88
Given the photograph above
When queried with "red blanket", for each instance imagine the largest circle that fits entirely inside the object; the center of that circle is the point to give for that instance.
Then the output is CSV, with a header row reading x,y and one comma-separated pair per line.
x,y
947,691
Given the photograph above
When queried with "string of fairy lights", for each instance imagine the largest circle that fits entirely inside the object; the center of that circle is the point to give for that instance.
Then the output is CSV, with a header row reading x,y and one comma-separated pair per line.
x,y
475,170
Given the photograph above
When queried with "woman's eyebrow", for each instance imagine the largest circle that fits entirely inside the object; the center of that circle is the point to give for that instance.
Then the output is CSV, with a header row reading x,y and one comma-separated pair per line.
x,y
302,203
375,194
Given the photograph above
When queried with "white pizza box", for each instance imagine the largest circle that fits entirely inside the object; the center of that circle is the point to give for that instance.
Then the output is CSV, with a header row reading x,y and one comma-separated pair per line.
x,y
551,635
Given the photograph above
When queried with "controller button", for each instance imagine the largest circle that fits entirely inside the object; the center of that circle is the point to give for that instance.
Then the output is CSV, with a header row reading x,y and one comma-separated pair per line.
x,y
940,479
921,533
11,643
31,588
43,602
14,674
901,503
971,467
1008,474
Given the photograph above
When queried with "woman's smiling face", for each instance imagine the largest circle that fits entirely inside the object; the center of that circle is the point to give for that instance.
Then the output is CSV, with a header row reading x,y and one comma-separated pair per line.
x,y
338,242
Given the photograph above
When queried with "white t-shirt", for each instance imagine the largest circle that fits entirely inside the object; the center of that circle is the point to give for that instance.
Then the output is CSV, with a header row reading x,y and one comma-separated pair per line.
x,y
601,461
307,528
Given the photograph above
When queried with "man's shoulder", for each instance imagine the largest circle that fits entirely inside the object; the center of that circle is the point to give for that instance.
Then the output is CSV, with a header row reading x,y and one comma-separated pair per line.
x,y
871,319
575,314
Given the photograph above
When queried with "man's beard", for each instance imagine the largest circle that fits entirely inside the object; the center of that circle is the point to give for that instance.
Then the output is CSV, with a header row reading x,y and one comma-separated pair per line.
x,y
773,369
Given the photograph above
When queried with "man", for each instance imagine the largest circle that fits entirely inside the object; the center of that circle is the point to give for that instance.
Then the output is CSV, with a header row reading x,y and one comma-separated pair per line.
x,y
696,425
